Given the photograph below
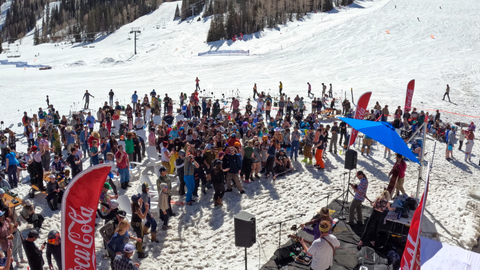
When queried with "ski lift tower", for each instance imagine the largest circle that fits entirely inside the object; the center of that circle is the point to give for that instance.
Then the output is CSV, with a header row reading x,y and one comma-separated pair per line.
x,y
135,30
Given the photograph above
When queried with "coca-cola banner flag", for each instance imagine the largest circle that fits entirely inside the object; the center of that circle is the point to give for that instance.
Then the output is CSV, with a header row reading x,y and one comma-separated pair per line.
x,y
411,254
408,100
79,208
360,113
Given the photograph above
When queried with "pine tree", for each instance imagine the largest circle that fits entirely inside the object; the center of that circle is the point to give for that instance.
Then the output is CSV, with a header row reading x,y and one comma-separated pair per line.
x,y
185,6
36,36
177,13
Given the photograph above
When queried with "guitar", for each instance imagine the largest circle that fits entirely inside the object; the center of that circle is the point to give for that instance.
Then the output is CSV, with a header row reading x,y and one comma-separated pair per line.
x,y
298,239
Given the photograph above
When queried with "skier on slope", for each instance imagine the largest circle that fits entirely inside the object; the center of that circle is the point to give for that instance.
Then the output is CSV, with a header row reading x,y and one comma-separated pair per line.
x,y
280,88
330,91
87,96
197,85
134,100
447,93
324,88
309,89
110,97
255,93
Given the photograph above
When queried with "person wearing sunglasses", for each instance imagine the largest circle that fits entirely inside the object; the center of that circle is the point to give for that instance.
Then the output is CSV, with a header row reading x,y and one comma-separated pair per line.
x,y
54,249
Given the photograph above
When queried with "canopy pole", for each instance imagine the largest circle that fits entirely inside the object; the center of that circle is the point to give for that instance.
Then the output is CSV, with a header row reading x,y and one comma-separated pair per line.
x,y
421,160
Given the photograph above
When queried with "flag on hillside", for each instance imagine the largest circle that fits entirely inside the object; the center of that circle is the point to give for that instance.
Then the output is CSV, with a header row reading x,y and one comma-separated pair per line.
x,y
360,113
408,99
411,254
79,209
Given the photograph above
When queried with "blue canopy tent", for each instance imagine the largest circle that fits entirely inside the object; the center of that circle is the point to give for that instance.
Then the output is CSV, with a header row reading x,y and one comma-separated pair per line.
x,y
384,133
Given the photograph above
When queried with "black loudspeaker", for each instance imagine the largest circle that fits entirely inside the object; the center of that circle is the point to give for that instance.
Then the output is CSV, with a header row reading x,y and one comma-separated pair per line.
x,y
245,229
351,160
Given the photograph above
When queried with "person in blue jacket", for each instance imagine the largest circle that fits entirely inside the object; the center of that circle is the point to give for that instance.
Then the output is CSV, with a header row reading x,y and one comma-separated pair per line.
x,y
119,240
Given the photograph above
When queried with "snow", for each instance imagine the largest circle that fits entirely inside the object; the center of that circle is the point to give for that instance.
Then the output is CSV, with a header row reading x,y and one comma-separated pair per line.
x,y
348,47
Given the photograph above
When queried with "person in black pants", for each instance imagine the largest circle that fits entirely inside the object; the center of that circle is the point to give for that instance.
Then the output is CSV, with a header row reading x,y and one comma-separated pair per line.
x,y
54,249
343,131
180,171
371,228
54,193
137,226
270,159
38,169
218,178
34,254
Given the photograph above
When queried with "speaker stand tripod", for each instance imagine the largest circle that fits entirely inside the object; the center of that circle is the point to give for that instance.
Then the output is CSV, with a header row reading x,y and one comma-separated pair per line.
x,y
344,196
280,236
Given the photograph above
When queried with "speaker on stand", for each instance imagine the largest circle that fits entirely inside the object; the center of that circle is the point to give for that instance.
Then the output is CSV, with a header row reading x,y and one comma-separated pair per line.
x,y
350,164
245,231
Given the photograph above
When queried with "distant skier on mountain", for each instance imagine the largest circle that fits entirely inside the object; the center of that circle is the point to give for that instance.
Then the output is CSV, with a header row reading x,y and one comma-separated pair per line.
x,y
197,84
324,88
255,93
447,93
110,97
309,89
134,100
280,88
87,96
330,91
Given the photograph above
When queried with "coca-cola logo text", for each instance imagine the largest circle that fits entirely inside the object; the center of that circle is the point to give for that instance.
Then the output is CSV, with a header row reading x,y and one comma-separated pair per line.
x,y
80,233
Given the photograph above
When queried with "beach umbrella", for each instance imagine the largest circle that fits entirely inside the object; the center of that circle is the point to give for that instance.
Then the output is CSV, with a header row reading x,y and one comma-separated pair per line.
x,y
384,133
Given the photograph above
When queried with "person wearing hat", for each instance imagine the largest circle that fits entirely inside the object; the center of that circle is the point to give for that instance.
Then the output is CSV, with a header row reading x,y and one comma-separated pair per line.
x,y
164,203
322,250
54,193
137,221
216,109
28,213
164,178
235,162
151,222
54,249
37,165
106,206
124,261
323,214
34,254
108,230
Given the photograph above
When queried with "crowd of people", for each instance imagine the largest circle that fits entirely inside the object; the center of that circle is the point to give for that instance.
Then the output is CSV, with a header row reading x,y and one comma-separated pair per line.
x,y
205,142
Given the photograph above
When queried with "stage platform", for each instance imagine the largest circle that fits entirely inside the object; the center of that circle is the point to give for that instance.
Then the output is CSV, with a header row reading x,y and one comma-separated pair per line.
x,y
348,236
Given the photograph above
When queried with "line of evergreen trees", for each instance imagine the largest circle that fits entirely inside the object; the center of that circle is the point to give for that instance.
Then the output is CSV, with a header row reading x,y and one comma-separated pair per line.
x,y
232,17
82,20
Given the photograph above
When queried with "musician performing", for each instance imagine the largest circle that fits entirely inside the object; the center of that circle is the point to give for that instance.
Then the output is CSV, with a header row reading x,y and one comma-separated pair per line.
x,y
360,194
397,176
371,228
322,249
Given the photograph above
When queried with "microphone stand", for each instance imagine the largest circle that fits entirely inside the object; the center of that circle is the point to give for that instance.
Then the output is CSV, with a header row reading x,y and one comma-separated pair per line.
x,y
345,196
280,234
